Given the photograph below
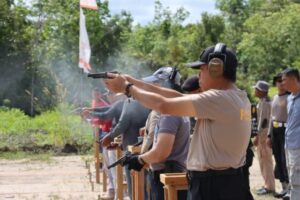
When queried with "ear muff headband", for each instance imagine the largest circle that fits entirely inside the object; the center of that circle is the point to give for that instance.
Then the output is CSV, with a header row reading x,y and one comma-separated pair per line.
x,y
173,74
217,60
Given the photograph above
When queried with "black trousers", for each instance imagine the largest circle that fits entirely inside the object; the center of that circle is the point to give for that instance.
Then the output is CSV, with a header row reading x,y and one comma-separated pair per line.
x,y
277,137
246,173
216,185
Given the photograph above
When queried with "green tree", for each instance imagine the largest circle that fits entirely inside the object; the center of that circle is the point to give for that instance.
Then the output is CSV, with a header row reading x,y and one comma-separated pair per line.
x,y
16,31
167,41
235,13
39,51
271,43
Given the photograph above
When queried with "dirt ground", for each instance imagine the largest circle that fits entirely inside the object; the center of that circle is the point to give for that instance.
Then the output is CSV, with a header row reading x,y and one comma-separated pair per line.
x,y
60,178
65,178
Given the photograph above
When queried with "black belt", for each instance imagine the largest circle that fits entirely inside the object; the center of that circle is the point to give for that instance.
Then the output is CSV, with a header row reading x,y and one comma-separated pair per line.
x,y
211,172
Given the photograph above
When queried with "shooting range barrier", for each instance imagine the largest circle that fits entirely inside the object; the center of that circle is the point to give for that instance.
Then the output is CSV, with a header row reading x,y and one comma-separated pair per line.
x,y
172,183
120,185
137,178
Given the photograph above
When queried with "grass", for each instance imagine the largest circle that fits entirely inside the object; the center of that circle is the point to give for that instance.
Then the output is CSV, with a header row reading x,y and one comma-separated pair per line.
x,y
26,155
48,131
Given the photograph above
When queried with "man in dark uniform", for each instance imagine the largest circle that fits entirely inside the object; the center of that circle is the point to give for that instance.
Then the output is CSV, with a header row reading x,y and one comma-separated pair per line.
x,y
276,134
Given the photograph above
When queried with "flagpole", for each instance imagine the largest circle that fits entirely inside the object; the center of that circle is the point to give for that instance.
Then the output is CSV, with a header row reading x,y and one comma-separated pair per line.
x,y
84,58
81,88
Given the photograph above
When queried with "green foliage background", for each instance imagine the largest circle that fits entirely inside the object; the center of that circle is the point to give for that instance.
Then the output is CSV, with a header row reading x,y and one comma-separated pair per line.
x,y
39,45
48,131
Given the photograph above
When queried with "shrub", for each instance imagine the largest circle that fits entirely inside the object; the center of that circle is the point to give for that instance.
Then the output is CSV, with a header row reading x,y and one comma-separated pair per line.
x,y
52,129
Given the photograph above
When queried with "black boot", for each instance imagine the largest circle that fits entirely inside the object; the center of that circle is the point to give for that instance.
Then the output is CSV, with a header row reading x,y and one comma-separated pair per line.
x,y
285,189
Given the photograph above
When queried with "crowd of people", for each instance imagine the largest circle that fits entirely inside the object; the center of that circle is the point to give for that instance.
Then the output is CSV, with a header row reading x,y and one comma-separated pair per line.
x,y
203,127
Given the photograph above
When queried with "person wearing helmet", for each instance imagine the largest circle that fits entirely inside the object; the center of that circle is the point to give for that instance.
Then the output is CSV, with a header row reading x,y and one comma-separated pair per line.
x,y
168,137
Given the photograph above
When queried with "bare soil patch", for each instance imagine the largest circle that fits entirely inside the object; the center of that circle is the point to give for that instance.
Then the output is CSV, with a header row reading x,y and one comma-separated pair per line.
x,y
68,177
60,178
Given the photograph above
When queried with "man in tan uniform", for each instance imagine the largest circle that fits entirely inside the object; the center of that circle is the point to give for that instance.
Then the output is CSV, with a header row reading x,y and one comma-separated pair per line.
x,y
218,146
264,152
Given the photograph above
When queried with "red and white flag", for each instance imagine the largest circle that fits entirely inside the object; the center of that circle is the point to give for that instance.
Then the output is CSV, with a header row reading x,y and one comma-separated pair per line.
x,y
91,4
84,45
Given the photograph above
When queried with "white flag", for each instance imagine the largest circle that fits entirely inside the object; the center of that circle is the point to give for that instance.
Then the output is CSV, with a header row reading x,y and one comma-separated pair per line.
x,y
84,45
91,4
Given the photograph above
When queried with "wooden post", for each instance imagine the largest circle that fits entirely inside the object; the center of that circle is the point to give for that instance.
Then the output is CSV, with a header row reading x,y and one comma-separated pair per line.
x,y
119,170
137,178
104,176
96,147
172,183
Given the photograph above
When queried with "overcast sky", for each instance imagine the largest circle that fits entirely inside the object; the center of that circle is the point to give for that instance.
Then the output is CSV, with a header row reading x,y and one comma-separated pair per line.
x,y
143,10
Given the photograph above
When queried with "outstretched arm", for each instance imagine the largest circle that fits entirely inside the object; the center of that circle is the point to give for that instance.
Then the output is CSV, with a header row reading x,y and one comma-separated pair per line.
x,y
110,113
166,92
101,109
179,106
122,124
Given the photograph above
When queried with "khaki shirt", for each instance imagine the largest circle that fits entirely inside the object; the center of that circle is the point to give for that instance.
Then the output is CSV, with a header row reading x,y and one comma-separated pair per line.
x,y
150,125
222,131
279,108
263,115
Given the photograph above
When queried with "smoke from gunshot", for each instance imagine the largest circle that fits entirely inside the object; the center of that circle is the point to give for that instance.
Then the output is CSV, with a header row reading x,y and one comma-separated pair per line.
x,y
73,84
127,64
76,88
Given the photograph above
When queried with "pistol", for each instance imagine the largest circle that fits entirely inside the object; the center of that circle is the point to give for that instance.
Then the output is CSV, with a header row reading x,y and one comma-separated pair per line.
x,y
101,74
122,161
77,110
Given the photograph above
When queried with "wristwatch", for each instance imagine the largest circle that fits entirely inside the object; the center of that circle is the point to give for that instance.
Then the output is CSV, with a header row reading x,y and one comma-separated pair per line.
x,y
127,92
141,161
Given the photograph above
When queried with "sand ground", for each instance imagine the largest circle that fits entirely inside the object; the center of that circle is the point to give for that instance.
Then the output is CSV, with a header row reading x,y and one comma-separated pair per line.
x,y
65,178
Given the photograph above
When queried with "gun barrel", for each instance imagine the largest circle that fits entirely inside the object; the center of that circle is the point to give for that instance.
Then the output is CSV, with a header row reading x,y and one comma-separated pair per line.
x,y
101,74
121,161
77,110
113,165
98,75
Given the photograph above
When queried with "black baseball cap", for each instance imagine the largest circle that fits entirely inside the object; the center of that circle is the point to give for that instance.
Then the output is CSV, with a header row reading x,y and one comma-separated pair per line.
x,y
191,84
277,78
230,59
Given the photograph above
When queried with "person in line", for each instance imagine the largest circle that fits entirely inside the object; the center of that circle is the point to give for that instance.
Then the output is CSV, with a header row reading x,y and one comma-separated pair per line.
x,y
191,86
99,102
111,112
275,138
171,138
163,77
218,146
147,133
264,152
132,118
291,82
102,127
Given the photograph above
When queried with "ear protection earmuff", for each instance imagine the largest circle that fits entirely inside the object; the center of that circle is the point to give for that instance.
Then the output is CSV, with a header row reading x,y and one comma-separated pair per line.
x,y
216,61
173,73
